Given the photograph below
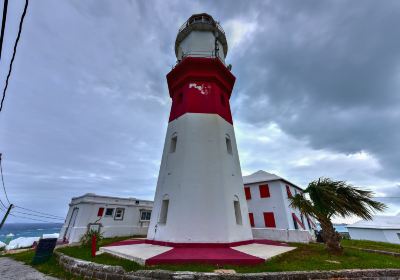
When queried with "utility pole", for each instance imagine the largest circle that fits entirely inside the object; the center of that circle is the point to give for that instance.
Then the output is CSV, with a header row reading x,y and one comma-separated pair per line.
x,y
6,215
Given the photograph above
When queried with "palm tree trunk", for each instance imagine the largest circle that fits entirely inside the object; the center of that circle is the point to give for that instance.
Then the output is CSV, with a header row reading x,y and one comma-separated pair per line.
x,y
331,237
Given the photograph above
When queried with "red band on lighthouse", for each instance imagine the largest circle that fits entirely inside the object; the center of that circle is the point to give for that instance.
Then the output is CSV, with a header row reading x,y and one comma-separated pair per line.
x,y
200,85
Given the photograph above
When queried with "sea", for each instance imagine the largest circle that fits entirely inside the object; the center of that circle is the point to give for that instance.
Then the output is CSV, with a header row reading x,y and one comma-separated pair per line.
x,y
341,228
15,230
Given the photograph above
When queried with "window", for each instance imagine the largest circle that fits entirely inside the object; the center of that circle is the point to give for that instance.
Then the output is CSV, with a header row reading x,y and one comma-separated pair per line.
x,y
251,218
228,144
145,215
109,212
264,191
247,193
164,211
289,193
269,219
174,140
238,214
398,235
100,212
119,214
222,98
296,226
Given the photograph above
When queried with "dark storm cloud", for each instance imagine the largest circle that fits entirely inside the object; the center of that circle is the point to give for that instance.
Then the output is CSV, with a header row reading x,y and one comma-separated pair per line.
x,y
88,103
328,72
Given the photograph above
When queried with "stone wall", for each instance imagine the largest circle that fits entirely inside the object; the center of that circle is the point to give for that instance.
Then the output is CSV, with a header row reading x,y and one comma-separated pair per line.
x,y
90,270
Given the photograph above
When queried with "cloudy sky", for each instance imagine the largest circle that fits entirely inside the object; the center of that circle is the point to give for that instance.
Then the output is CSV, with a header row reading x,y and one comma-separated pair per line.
x,y
317,94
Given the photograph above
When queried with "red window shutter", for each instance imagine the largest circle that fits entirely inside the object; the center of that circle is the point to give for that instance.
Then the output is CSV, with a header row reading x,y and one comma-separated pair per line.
x,y
264,191
247,193
100,212
289,193
269,219
251,218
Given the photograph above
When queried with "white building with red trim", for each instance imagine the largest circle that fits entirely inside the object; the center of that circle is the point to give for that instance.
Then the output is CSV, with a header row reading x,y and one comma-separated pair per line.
x,y
113,216
270,214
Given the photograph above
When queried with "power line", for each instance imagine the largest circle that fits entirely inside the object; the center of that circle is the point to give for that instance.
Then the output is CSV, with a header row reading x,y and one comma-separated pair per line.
x,y
2,205
3,25
55,216
2,180
27,218
14,53
41,216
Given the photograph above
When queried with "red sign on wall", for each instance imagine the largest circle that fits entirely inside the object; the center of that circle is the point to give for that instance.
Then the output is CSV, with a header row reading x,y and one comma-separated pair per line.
x,y
100,212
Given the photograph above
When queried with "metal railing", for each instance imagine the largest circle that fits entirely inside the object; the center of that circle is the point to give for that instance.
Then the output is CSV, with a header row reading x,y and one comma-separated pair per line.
x,y
205,54
201,19
208,54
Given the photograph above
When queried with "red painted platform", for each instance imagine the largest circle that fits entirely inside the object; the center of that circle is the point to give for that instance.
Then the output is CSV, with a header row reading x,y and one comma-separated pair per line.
x,y
217,256
209,253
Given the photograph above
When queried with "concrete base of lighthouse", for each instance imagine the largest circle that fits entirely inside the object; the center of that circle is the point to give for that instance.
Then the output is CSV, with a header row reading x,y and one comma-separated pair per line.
x,y
144,253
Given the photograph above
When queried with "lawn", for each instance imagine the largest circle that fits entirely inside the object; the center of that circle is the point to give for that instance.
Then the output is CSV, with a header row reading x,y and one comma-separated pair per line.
x,y
305,257
51,267
372,245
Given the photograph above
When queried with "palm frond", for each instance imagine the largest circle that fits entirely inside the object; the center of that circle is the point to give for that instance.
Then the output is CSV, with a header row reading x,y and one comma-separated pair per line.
x,y
342,199
304,205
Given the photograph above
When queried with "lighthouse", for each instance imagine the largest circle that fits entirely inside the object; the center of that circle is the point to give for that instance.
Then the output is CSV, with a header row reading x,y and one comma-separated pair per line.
x,y
199,196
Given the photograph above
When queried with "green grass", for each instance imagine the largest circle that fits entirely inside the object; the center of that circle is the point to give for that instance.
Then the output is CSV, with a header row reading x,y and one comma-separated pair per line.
x,y
372,245
305,257
52,268
315,257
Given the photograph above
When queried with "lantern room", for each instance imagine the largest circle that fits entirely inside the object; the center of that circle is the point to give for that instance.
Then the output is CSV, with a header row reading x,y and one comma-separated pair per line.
x,y
201,36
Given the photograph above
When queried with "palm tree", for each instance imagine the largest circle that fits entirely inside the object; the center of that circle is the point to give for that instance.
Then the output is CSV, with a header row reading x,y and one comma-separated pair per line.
x,y
329,198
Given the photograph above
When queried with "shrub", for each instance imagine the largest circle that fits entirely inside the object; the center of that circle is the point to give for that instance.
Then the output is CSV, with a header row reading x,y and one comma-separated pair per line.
x,y
86,239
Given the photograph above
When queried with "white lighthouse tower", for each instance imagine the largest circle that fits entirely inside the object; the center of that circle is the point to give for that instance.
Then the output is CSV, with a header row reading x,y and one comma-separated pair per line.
x,y
199,196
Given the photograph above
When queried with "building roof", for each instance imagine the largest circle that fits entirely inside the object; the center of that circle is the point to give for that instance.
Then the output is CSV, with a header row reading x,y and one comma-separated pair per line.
x,y
263,176
93,198
379,222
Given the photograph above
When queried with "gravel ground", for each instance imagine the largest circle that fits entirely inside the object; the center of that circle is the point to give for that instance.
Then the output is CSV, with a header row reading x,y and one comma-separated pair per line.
x,y
13,270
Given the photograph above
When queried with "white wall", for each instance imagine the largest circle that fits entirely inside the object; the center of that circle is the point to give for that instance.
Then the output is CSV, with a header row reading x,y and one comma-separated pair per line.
x,y
278,203
201,180
87,213
284,235
274,203
380,235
